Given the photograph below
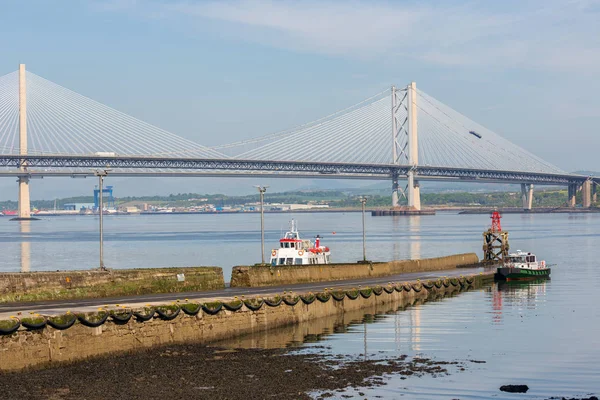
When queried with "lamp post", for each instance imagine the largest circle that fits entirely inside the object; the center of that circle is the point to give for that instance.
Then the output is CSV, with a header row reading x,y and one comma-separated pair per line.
x,y
101,173
363,201
261,191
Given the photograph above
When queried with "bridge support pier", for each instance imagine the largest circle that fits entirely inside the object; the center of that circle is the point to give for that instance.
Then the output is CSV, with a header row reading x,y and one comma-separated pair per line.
x,y
527,196
571,200
24,201
414,192
594,193
586,193
395,200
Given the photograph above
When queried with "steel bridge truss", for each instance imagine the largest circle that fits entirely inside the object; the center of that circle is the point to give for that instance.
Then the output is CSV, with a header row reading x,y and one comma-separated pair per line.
x,y
335,170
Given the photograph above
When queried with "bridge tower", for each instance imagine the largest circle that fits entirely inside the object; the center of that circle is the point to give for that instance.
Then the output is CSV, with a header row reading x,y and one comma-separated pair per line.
x,y
405,143
24,200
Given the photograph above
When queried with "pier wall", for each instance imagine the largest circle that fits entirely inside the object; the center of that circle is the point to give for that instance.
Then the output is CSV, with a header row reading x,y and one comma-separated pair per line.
x,y
255,276
47,346
35,286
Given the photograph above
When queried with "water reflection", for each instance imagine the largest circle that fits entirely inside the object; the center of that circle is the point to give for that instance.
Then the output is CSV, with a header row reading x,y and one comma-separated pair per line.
x,y
522,294
407,237
25,246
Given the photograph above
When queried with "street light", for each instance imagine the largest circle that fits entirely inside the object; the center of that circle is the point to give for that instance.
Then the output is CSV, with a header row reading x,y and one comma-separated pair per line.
x,y
101,173
261,191
363,201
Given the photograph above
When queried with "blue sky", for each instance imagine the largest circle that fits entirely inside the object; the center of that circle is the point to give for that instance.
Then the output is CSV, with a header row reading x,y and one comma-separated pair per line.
x,y
219,71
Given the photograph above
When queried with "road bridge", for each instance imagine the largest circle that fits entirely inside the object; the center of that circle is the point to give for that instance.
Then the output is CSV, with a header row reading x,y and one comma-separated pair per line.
x,y
398,134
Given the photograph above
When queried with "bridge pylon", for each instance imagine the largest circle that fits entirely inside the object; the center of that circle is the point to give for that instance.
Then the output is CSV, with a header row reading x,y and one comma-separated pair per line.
x,y
24,199
405,144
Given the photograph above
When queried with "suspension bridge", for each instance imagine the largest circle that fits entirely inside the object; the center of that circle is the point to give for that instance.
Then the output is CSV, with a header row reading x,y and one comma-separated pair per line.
x,y
399,134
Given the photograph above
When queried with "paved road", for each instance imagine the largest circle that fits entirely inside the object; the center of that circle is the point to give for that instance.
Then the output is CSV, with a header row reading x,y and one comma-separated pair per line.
x,y
56,307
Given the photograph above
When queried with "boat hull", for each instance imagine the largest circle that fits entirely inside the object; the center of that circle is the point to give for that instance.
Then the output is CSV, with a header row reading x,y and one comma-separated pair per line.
x,y
510,274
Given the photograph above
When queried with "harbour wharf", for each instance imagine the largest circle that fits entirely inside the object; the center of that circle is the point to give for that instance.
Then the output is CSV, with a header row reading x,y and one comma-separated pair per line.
x,y
71,330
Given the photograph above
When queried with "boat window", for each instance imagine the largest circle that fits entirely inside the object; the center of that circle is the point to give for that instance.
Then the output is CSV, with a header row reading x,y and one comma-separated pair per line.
x,y
298,261
327,257
273,262
289,261
532,258
281,245
281,261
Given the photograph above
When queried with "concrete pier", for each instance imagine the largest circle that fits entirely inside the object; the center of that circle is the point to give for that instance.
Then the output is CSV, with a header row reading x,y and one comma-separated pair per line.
x,y
586,194
527,196
594,193
88,331
24,200
572,193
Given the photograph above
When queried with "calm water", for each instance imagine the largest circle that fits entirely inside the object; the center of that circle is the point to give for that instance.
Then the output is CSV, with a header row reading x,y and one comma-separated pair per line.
x,y
546,335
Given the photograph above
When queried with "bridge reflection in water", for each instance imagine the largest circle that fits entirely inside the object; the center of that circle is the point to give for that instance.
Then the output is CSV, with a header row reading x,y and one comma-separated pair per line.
x,y
25,259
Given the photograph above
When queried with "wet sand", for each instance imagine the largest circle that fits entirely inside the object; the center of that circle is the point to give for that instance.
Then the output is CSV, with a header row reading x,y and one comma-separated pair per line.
x,y
200,372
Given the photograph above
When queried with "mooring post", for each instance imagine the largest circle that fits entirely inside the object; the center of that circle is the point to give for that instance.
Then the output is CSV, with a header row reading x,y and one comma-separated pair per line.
x,y
24,199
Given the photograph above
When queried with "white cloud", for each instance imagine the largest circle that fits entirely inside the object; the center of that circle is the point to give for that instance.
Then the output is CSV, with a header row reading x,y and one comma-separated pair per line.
x,y
551,35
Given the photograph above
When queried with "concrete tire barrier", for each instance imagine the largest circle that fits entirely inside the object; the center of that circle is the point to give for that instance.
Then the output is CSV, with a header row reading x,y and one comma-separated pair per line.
x,y
121,318
170,312
62,322
95,320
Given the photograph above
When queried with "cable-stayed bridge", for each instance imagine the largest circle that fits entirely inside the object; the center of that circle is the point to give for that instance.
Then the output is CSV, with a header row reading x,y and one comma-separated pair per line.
x,y
400,133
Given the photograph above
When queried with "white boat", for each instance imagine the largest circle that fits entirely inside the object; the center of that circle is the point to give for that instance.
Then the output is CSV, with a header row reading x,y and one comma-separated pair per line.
x,y
523,265
295,251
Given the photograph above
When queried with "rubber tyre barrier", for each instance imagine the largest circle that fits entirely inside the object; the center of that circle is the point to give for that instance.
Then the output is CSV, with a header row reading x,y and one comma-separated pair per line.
x,y
454,284
399,288
323,297
339,296
273,303
92,324
59,326
188,309
253,307
212,311
308,300
291,302
471,281
12,329
407,287
166,316
438,284
388,289
231,307
143,317
33,326
366,293
414,287
121,319
377,290
428,285
352,296
446,283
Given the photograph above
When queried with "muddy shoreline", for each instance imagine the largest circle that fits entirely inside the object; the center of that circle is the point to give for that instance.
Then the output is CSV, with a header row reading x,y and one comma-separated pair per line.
x,y
199,372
